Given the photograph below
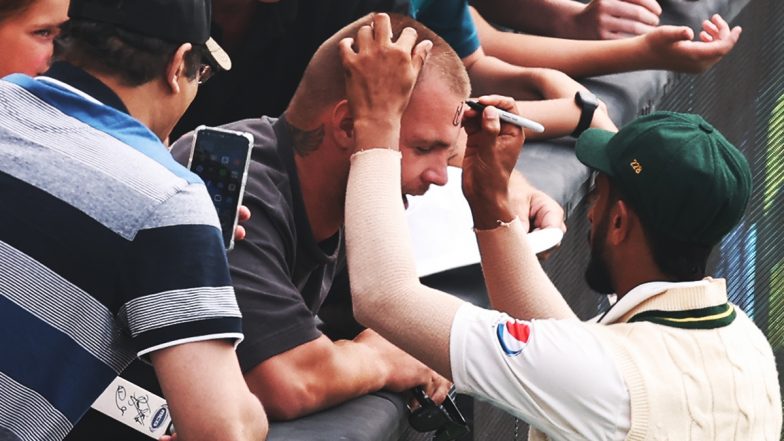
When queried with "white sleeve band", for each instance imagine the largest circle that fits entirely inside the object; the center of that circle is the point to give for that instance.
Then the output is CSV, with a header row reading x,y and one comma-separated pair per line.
x,y
386,292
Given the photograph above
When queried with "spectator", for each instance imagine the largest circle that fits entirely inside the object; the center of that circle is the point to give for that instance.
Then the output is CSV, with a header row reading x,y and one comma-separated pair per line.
x,y
669,187
594,20
123,256
27,32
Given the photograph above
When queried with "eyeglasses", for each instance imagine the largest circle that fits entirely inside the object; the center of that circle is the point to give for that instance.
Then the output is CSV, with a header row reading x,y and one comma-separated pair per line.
x,y
204,73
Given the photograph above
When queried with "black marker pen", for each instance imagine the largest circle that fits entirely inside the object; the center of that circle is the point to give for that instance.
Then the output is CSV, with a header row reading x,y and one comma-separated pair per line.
x,y
511,118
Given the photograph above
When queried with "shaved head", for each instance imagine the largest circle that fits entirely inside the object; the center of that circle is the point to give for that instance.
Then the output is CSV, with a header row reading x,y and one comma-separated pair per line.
x,y
323,83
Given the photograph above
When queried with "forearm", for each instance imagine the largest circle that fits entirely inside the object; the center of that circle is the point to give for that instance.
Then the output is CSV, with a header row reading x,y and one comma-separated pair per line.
x,y
542,17
560,117
576,58
386,292
516,282
315,376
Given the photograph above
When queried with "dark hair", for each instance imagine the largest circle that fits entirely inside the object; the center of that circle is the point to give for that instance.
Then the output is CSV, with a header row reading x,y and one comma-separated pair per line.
x,y
132,58
682,261
9,8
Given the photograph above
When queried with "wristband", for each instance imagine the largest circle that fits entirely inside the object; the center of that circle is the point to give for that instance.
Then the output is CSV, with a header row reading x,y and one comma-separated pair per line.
x,y
587,102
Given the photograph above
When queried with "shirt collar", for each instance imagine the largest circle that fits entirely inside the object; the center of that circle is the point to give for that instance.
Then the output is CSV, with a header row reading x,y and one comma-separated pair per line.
x,y
80,82
639,294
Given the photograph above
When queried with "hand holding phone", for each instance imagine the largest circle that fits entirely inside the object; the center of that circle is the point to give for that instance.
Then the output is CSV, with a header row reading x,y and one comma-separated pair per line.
x,y
221,158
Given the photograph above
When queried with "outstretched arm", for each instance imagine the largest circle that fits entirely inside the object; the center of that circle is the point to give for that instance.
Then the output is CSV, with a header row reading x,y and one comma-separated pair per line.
x,y
548,94
595,20
665,47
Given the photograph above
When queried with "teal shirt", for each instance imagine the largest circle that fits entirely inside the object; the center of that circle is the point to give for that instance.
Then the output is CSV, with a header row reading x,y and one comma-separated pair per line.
x,y
451,19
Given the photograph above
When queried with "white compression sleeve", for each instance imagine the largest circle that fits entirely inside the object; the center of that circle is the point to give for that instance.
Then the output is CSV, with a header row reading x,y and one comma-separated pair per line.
x,y
386,292
516,282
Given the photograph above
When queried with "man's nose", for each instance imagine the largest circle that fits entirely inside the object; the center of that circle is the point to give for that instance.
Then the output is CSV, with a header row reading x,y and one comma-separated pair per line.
x,y
436,175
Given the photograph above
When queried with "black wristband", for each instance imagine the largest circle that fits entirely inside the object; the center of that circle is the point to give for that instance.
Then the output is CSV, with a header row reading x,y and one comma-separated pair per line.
x,y
587,102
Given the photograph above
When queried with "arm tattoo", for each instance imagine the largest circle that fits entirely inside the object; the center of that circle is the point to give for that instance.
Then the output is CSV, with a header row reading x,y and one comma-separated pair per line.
x,y
305,141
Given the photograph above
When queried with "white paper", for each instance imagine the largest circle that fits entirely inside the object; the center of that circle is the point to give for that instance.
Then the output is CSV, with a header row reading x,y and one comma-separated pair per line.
x,y
442,232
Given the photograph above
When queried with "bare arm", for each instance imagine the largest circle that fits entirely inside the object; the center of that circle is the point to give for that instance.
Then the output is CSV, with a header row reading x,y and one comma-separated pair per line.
x,y
596,20
551,93
322,373
666,47
207,395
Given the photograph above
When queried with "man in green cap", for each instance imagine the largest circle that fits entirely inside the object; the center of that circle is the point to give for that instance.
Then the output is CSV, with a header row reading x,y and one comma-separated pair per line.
x,y
672,359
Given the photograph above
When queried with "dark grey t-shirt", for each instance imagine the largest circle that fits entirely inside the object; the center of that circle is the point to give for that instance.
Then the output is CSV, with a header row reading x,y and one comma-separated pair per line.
x,y
281,275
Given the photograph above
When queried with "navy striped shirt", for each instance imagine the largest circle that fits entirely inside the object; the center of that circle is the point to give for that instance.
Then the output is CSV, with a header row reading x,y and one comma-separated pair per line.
x,y
109,250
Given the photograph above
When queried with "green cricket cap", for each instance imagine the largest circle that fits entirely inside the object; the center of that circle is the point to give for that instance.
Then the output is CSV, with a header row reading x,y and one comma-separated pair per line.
x,y
682,177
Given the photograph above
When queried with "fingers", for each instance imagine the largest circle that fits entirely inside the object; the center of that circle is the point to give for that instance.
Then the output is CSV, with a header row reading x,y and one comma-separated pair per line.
x,y
651,5
421,52
364,37
614,19
239,233
491,123
347,52
501,102
382,28
441,387
640,11
244,213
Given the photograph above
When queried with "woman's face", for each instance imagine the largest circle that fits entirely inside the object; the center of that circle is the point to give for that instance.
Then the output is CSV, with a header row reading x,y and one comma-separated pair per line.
x,y
27,38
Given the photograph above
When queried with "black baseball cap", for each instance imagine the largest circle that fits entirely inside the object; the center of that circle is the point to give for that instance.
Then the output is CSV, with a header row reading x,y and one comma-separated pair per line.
x,y
682,176
175,21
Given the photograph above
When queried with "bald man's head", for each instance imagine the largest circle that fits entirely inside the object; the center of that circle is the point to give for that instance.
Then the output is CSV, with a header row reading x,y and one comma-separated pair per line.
x,y
323,84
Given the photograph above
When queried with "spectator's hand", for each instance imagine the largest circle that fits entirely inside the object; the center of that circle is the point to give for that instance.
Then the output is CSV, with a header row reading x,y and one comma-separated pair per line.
x,y
405,372
380,75
675,50
239,232
534,207
491,153
612,19
172,437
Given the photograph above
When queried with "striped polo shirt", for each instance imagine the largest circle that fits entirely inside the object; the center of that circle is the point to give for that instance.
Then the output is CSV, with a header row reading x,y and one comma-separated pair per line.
x,y
109,250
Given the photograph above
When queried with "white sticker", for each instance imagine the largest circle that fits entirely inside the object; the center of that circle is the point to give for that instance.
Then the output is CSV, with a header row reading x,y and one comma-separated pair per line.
x,y
135,407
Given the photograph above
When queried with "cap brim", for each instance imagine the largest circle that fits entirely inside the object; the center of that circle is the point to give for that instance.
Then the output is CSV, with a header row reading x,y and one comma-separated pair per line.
x,y
217,54
591,149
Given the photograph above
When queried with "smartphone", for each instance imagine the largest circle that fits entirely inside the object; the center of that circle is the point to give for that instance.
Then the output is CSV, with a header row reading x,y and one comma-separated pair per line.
x,y
221,158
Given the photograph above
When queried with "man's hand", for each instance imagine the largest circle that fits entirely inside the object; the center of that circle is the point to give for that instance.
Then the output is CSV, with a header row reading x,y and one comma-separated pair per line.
x,y
612,19
380,75
491,153
244,216
534,207
675,50
405,372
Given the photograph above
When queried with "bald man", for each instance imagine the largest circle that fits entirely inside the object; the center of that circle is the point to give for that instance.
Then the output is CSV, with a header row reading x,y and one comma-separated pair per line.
x,y
294,247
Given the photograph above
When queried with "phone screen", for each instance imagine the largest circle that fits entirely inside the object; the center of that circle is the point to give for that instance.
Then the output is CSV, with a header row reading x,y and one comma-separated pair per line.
x,y
221,158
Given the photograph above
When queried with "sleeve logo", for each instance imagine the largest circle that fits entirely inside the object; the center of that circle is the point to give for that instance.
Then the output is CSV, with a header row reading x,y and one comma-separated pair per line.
x,y
513,336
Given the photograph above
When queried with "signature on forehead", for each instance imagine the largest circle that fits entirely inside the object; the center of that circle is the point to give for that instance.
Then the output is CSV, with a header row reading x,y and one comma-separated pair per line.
x,y
458,113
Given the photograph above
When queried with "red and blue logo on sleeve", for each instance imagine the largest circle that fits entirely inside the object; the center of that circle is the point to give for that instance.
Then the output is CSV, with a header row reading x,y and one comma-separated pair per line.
x,y
513,336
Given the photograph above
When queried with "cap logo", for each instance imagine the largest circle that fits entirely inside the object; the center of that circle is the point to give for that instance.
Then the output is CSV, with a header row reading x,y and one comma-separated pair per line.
x,y
636,166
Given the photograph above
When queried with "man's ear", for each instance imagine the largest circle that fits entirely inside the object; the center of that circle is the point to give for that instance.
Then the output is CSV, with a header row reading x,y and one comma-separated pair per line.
x,y
176,68
621,218
343,125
